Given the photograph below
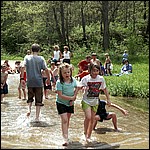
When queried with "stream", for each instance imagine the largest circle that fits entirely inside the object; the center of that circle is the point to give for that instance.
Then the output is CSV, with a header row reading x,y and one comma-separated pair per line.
x,y
19,132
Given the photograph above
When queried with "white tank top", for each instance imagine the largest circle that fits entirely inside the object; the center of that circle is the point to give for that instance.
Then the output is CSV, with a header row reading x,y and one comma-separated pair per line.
x,y
56,55
66,55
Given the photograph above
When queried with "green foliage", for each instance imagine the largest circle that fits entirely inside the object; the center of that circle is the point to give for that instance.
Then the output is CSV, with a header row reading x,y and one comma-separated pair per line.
x,y
132,85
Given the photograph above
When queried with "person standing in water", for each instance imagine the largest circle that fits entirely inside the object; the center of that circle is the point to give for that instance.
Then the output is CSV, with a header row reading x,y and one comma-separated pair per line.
x,y
66,89
4,85
91,85
34,65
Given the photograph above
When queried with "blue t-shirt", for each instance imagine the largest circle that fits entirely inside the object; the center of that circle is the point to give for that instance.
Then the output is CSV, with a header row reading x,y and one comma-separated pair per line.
x,y
126,68
34,65
125,55
67,89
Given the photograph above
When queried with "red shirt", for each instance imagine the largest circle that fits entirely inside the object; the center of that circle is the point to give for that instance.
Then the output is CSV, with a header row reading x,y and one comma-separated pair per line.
x,y
84,73
83,64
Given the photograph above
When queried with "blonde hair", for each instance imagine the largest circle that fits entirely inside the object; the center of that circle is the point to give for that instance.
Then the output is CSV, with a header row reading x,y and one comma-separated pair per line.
x,y
61,67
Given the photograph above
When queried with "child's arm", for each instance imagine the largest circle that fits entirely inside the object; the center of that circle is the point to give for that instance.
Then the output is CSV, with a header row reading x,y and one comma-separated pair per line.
x,y
125,112
52,76
48,76
60,95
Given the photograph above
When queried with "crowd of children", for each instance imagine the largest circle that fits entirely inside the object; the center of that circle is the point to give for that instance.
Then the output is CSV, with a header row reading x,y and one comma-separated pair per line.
x,y
39,79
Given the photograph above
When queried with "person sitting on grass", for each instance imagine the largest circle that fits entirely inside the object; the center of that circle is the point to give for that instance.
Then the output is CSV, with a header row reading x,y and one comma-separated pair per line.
x,y
102,114
126,68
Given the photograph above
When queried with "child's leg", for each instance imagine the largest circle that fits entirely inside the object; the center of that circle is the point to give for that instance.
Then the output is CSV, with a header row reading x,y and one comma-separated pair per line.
x,y
87,120
46,93
29,109
2,96
114,119
95,121
110,72
37,113
19,91
24,93
64,125
90,127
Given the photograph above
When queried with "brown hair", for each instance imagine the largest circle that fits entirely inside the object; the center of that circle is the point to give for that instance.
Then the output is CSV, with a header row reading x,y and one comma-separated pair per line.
x,y
62,66
94,65
35,48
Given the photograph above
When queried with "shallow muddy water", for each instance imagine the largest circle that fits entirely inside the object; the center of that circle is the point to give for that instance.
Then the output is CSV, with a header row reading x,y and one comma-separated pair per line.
x,y
19,132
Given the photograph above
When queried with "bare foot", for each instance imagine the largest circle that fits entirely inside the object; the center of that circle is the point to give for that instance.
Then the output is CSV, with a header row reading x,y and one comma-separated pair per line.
x,y
118,130
28,113
88,140
66,143
36,119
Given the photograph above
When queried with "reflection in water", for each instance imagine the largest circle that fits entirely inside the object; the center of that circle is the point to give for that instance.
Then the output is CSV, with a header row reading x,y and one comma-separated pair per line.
x,y
18,131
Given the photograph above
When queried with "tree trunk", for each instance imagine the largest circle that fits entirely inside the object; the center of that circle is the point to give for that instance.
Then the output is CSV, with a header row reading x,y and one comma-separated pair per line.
x,y
62,24
133,16
147,30
106,25
57,25
83,26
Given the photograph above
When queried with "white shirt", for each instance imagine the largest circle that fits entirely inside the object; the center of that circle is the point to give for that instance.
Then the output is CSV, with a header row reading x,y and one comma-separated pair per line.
x,y
92,88
56,55
66,55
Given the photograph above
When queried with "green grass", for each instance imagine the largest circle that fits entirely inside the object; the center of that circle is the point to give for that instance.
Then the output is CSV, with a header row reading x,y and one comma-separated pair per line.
x,y
11,57
132,85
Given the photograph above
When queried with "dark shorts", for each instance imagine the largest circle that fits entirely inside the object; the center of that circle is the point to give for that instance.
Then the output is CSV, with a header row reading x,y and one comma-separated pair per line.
x,y
46,86
55,61
66,60
5,89
103,116
61,108
36,92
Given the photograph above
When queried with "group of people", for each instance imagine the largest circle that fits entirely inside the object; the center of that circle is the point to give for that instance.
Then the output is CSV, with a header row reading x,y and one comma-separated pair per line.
x,y
105,69
58,56
66,89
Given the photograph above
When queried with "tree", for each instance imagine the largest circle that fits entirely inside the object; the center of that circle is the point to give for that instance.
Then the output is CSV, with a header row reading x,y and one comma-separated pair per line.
x,y
106,25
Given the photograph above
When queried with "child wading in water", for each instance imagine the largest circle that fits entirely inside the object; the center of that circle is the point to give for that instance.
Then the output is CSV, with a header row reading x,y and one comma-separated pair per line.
x,y
34,64
22,86
4,77
102,114
66,88
91,85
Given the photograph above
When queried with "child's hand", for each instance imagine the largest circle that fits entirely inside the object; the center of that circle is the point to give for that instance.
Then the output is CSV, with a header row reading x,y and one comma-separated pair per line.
x,y
125,112
109,103
71,102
